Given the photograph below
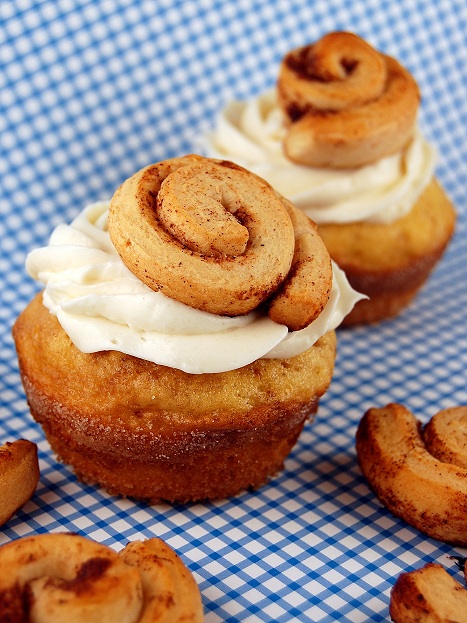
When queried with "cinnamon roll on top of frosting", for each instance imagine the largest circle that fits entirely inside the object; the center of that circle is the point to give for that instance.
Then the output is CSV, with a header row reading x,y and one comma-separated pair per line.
x,y
344,103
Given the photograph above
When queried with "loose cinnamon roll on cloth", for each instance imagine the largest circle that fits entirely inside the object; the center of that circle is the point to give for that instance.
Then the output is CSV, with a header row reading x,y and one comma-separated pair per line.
x,y
418,472
66,577
19,475
185,333
338,136
428,594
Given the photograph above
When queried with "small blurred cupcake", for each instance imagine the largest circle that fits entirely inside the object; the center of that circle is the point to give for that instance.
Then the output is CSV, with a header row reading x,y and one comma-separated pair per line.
x,y
338,136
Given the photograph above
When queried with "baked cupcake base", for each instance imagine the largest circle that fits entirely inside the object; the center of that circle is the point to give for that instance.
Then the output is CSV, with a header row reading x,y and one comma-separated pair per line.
x,y
390,262
156,433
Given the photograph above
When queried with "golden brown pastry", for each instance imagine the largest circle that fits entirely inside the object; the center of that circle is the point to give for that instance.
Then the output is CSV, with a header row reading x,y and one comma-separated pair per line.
x,y
338,136
66,577
346,106
445,436
426,492
149,413
429,594
19,475
177,248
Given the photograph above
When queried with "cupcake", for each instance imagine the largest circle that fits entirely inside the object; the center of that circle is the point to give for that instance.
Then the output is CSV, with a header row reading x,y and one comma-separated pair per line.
x,y
184,335
338,136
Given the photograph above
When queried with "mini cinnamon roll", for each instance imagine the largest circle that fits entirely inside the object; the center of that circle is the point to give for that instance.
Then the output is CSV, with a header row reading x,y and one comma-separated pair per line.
x,y
218,238
66,577
346,104
425,491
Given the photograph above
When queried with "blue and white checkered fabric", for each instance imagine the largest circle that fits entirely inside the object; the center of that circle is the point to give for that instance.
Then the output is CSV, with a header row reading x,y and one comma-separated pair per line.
x,y
90,91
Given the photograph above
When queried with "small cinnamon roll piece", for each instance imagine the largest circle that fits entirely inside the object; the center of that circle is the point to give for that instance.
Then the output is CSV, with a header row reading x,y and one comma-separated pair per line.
x,y
428,594
19,475
218,238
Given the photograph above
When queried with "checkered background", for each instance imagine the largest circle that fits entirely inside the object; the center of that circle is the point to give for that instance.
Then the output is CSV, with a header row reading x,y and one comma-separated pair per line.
x,y
90,91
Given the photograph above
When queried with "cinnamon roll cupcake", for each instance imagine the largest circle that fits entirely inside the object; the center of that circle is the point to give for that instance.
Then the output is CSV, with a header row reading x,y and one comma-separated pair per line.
x,y
184,335
338,136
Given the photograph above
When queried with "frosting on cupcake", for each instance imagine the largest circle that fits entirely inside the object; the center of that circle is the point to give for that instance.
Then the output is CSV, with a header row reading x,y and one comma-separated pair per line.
x,y
101,305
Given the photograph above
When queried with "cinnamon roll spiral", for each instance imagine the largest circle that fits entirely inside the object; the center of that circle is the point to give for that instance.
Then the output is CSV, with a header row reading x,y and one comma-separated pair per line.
x,y
51,578
218,238
445,436
345,103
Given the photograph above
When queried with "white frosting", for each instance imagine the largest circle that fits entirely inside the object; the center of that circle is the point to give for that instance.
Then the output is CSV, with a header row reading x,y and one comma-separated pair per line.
x,y
101,305
251,133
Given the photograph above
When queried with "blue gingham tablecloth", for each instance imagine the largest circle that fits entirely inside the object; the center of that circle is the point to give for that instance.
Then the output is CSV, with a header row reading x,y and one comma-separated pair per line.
x,y
90,91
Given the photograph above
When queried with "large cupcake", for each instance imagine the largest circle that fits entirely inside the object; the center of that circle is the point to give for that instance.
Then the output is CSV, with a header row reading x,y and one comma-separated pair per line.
x,y
338,136
178,357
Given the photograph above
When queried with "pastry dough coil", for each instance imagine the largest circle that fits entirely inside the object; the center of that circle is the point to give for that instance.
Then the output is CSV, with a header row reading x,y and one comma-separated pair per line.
x,y
216,237
345,103
65,577
426,492
19,475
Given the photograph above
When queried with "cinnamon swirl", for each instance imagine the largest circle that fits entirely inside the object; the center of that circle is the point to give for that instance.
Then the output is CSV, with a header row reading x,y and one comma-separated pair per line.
x,y
346,105
63,576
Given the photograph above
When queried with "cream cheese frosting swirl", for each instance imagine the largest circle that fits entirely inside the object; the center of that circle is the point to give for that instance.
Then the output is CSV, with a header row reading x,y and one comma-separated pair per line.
x,y
102,305
251,133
